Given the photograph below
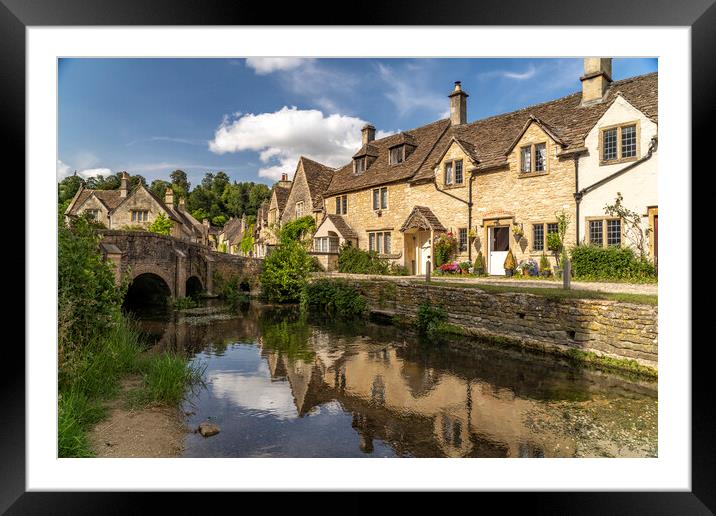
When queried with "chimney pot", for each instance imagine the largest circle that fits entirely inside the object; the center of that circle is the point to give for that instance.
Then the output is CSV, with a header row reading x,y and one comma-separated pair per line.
x,y
367,134
458,105
284,177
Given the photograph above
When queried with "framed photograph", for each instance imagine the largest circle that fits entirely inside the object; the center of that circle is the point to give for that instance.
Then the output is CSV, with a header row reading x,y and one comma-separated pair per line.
x,y
259,256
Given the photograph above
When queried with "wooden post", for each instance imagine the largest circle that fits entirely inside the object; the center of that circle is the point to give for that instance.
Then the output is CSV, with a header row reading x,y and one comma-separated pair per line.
x,y
427,271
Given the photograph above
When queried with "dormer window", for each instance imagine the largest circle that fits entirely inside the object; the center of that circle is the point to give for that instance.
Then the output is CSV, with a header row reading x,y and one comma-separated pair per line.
x,y
453,173
397,155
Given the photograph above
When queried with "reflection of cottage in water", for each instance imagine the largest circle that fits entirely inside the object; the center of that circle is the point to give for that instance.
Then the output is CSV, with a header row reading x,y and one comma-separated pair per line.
x,y
418,409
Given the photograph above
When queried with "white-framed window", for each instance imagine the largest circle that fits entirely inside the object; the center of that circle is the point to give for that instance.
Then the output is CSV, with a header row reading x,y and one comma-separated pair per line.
x,y
140,215
533,158
397,155
299,209
619,143
341,205
380,198
380,242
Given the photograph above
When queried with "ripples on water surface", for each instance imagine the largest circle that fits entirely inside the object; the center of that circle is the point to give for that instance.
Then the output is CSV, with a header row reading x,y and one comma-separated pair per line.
x,y
279,386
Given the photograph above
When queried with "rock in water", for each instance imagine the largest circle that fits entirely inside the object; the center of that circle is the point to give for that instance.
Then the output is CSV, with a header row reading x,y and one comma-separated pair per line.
x,y
207,429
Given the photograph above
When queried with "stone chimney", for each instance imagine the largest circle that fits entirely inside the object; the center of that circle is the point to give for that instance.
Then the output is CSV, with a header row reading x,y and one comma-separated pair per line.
x,y
285,181
205,222
367,134
124,185
458,105
596,79
169,197
182,203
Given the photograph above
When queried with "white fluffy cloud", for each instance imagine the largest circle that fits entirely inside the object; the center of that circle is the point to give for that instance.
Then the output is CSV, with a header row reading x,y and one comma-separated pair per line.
x,y
283,136
64,170
267,65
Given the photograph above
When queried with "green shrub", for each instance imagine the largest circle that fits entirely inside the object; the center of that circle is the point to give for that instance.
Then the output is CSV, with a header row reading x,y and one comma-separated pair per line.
x,y
233,289
610,263
182,303
430,318
544,263
479,265
75,415
398,270
357,261
465,266
445,248
285,272
297,230
510,264
333,297
162,225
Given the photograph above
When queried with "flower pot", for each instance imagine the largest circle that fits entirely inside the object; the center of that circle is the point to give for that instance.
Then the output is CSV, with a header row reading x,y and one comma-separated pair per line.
x,y
558,272
525,272
545,274
508,273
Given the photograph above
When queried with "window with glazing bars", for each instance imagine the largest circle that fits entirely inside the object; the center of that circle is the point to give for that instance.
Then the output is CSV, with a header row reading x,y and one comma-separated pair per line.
x,y
609,144
538,237
462,234
614,232
458,172
629,141
596,229
540,156
526,159
140,215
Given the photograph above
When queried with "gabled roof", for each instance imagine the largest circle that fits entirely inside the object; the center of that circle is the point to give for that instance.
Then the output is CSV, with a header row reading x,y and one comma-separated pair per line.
x,y
341,226
422,218
381,171
318,177
544,126
367,150
281,193
565,119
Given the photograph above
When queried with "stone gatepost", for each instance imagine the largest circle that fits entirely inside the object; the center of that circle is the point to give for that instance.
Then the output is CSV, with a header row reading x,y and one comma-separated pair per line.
x,y
180,275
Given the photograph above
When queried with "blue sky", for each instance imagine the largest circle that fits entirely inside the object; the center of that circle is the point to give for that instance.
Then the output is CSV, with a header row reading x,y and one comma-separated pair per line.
x,y
253,117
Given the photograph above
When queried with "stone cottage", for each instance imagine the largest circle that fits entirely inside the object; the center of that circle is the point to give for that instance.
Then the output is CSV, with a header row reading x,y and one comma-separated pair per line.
x,y
137,209
498,183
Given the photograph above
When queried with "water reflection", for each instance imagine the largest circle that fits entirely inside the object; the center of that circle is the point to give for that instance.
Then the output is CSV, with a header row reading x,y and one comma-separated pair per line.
x,y
279,385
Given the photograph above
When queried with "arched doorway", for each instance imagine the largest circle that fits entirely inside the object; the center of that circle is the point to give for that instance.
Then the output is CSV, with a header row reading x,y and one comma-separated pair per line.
x,y
193,287
147,290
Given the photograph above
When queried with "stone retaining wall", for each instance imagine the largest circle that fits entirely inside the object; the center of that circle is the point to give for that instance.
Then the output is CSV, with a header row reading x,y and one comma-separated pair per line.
x,y
607,328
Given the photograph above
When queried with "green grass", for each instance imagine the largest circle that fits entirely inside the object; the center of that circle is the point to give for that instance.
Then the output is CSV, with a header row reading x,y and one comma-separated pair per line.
x,y
556,293
93,376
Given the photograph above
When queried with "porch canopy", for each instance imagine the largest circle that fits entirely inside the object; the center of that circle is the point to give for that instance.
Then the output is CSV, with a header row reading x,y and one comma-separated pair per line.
x,y
422,219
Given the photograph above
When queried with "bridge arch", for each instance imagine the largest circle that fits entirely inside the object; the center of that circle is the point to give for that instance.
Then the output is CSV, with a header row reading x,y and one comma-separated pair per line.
x,y
147,289
194,286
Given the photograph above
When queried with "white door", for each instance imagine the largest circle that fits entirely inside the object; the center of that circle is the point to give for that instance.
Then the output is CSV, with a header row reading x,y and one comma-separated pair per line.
x,y
499,245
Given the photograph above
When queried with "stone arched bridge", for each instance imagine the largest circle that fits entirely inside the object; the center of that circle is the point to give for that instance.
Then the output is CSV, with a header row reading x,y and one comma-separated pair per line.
x,y
181,265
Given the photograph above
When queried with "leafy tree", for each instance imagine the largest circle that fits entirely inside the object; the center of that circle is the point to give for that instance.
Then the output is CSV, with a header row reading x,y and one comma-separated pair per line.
x,y
161,225
247,241
68,187
159,187
285,272
180,184
219,220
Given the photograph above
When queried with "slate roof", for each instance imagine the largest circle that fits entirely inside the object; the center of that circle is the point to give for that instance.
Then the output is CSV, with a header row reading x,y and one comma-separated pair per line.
x,y
422,217
487,141
281,196
318,177
342,226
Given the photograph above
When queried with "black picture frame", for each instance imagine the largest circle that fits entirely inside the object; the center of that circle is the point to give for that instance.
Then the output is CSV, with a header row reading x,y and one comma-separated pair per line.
x,y
699,15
